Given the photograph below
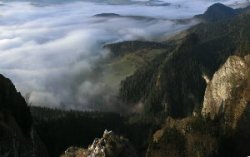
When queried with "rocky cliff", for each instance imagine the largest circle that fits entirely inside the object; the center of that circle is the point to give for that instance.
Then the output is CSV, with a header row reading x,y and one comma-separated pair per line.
x,y
17,137
222,128
172,84
227,93
187,137
109,145
12,102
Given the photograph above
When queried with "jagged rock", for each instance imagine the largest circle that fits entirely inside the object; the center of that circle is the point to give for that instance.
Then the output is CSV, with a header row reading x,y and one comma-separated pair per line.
x,y
110,145
224,120
180,138
227,92
227,100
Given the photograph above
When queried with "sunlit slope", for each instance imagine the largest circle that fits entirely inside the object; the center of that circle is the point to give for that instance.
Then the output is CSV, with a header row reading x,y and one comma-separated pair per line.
x,y
175,84
129,56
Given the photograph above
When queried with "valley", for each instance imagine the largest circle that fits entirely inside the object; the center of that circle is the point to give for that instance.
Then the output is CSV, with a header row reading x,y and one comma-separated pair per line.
x,y
184,96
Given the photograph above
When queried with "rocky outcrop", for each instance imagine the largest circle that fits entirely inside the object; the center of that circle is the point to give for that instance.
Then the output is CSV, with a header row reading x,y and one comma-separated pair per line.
x,y
110,145
17,137
201,53
183,138
222,129
227,94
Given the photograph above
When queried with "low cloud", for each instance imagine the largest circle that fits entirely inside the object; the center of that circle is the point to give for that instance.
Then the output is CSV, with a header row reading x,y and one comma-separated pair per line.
x,y
50,50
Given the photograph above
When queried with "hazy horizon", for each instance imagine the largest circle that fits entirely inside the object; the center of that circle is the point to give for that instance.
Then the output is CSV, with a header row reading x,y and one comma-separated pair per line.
x,y
49,48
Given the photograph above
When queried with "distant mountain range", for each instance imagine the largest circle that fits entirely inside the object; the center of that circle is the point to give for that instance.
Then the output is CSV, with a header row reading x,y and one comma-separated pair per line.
x,y
187,97
218,12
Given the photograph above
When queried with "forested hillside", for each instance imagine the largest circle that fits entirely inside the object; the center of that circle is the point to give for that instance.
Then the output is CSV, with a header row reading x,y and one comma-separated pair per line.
x,y
60,129
175,84
187,96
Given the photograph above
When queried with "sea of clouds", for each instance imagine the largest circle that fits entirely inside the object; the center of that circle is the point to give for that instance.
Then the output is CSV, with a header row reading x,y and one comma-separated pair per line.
x,y
49,48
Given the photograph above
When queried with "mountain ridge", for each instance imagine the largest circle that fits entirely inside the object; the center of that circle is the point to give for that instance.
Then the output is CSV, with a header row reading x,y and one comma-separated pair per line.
x,y
218,12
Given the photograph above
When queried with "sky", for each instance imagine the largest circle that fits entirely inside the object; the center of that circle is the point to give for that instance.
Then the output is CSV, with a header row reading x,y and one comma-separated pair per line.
x,y
50,48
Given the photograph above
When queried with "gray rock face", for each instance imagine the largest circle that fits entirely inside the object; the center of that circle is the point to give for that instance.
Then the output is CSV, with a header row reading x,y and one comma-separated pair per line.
x,y
225,92
227,100
110,145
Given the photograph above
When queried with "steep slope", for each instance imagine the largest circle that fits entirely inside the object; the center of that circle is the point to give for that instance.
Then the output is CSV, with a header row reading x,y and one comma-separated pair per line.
x,y
223,128
128,56
17,138
174,84
227,93
122,48
123,60
12,101
217,12
188,137
227,99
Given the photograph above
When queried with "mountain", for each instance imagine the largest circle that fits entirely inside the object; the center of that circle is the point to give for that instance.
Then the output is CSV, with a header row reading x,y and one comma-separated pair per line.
x,y
13,103
114,15
17,136
176,85
222,129
107,15
218,12
173,84
228,86
184,97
